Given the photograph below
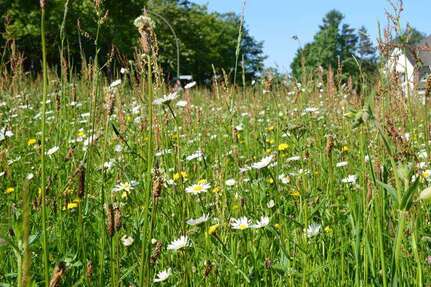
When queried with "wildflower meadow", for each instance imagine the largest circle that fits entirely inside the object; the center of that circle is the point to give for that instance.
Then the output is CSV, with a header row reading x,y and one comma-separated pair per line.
x,y
124,179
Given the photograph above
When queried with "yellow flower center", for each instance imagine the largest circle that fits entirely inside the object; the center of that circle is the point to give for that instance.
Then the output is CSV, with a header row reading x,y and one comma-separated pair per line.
x,y
243,226
283,147
31,141
176,176
213,228
295,193
198,188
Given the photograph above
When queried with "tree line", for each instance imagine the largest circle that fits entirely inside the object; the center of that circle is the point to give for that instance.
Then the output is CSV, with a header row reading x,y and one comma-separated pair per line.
x,y
339,46
207,40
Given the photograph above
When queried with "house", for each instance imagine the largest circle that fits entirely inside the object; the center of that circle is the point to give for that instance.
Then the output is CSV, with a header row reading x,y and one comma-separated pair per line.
x,y
413,65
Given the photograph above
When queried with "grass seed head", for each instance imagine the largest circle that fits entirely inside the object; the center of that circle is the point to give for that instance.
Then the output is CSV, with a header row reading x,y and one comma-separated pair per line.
x,y
157,250
117,218
110,220
57,274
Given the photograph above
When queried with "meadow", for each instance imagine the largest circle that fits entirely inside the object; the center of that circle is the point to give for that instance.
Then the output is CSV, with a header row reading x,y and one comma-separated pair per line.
x,y
275,189
121,181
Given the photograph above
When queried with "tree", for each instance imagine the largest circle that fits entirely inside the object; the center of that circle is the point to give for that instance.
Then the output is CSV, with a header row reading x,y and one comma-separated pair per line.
x,y
335,44
366,52
206,38
324,49
366,49
410,36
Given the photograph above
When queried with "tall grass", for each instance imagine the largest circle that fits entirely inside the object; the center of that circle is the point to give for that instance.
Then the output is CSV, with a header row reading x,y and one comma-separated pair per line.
x,y
43,149
329,182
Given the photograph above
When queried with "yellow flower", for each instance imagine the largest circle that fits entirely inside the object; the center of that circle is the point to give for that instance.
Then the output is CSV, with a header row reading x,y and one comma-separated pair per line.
x,y
176,176
283,146
31,141
74,204
213,228
426,173
278,226
81,133
270,141
202,181
345,149
270,180
295,193
216,189
328,230
270,128
179,175
10,190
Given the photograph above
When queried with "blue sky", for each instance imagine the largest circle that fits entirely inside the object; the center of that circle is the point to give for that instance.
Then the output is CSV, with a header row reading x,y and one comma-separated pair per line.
x,y
276,21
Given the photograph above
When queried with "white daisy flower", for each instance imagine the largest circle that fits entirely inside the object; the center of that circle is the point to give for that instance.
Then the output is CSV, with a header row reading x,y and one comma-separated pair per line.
x,y
124,71
293,158
123,186
240,223
162,276
239,127
127,240
270,204
118,148
181,104
313,230
5,134
115,84
198,188
197,155
166,99
109,164
244,169
52,150
181,242
284,178
342,164
199,220
163,152
264,221
230,182
29,176
190,85
262,163
350,179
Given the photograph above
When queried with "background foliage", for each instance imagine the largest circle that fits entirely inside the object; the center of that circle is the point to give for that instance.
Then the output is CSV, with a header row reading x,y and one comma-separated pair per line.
x,y
206,38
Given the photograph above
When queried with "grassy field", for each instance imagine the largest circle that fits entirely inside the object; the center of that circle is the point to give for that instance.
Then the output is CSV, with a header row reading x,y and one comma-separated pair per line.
x,y
123,182
291,187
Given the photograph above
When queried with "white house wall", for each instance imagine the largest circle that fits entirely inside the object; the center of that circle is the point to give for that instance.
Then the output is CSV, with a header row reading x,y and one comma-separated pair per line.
x,y
404,67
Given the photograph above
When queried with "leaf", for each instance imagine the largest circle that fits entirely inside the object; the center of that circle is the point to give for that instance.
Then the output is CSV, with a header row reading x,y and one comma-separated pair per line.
x,y
407,199
389,188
